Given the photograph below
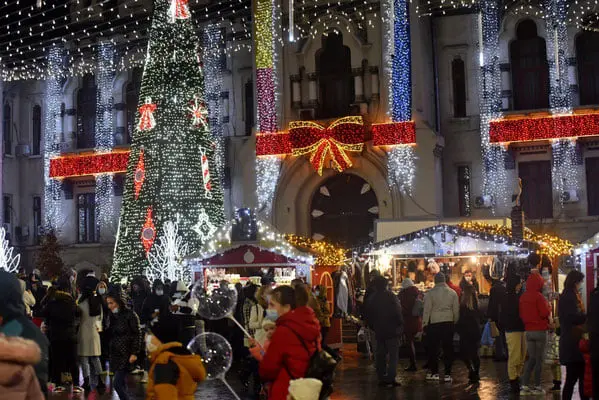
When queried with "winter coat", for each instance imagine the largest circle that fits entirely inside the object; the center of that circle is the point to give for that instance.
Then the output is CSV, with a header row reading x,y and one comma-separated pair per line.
x,y
509,315
12,311
125,336
17,376
496,296
384,315
174,373
324,315
152,303
585,350
286,354
138,298
534,308
88,337
39,295
407,298
570,316
468,325
255,322
60,314
28,298
440,305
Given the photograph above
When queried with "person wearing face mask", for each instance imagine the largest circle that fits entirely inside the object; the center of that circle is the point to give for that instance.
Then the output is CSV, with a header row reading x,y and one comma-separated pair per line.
x,y
509,317
469,279
102,291
572,317
125,344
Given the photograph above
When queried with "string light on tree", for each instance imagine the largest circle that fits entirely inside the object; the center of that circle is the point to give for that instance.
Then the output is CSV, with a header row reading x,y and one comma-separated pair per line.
x,y
165,260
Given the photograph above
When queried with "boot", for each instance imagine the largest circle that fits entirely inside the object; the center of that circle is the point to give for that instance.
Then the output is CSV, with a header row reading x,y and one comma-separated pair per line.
x,y
515,386
85,386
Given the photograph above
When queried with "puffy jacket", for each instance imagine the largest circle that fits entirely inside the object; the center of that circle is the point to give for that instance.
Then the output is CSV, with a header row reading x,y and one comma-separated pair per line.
x,y
440,305
60,313
286,354
585,349
174,373
17,377
570,315
383,314
534,308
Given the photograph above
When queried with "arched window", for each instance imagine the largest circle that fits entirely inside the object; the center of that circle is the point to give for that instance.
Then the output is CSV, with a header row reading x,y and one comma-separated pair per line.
x,y
36,130
6,129
587,54
335,81
458,78
86,113
530,71
132,101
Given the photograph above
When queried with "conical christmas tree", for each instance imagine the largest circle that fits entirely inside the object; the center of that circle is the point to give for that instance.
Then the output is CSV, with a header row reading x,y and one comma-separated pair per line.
x,y
171,174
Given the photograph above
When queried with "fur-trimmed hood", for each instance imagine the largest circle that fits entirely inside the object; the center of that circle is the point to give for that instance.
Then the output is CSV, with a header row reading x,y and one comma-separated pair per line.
x,y
16,354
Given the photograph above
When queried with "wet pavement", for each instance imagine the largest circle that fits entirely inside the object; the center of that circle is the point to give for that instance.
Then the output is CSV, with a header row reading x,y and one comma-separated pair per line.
x,y
356,379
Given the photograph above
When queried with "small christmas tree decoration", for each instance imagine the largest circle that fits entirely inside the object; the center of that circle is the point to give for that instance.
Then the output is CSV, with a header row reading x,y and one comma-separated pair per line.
x,y
199,113
206,174
146,119
179,9
140,174
48,259
148,233
8,262
165,260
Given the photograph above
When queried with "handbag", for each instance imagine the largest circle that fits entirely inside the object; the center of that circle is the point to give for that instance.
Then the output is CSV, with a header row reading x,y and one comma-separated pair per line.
x,y
494,329
486,339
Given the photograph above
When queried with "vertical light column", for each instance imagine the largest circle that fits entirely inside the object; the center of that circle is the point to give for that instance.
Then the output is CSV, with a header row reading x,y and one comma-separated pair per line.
x,y
494,173
265,34
52,133
398,68
105,73
213,53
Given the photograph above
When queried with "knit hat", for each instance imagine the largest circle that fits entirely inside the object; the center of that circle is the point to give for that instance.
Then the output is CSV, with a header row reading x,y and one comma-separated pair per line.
x,y
406,283
305,389
440,278
267,322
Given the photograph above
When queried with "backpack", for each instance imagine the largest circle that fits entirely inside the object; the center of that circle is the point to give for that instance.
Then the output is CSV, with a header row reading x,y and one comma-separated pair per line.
x,y
321,366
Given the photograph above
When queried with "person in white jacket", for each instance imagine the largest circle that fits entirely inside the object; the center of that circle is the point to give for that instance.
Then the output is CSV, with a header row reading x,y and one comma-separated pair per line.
x,y
441,312
28,297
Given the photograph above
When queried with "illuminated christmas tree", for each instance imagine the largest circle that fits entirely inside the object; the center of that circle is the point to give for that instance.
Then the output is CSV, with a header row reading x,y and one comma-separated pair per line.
x,y
172,173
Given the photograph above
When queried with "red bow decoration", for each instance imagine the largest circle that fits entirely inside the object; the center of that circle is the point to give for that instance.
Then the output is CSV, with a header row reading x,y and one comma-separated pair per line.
x,y
343,135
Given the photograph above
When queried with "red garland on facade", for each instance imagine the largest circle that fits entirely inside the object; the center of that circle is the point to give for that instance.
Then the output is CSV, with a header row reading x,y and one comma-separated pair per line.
x,y
544,128
89,164
140,174
148,232
394,133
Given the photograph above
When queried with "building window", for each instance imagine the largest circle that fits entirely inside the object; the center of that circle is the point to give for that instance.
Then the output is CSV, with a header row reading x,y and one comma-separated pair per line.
x,y
530,70
458,78
7,209
537,192
6,129
86,113
335,80
37,218
86,217
464,194
132,90
249,107
592,169
36,134
587,54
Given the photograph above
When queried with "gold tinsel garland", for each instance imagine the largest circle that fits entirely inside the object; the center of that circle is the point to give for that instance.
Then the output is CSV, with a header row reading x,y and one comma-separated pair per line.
x,y
326,253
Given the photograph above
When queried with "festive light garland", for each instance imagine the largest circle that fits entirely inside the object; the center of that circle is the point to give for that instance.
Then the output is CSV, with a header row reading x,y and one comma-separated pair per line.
x,y
565,171
394,133
88,164
326,254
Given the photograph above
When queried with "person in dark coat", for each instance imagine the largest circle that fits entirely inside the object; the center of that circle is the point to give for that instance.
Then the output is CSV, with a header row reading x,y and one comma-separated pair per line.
x,y
468,327
125,345
496,295
39,292
412,324
60,316
139,291
593,328
155,304
384,316
13,322
572,316
511,323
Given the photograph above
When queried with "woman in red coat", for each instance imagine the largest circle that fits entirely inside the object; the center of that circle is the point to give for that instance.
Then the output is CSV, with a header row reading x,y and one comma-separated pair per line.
x,y
295,340
412,324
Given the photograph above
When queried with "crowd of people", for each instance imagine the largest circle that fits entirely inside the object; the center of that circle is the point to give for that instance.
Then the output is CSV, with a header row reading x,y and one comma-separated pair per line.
x,y
527,330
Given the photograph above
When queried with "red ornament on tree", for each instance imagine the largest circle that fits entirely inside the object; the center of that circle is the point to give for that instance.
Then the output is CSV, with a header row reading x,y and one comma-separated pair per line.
x,y
148,232
140,174
179,9
199,113
146,119
206,174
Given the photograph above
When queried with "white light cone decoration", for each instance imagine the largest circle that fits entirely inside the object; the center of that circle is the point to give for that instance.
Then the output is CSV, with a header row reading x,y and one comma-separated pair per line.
x,y
166,258
8,261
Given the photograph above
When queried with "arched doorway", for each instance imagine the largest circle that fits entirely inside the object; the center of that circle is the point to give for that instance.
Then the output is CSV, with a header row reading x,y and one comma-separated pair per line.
x,y
343,210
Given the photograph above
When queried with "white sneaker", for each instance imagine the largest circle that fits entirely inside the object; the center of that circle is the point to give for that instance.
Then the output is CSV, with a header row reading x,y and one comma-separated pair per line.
x,y
432,377
525,391
537,391
144,377
137,371
447,379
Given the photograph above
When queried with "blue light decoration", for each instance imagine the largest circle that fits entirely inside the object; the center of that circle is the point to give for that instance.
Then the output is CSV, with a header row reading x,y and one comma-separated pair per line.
x,y
56,76
402,63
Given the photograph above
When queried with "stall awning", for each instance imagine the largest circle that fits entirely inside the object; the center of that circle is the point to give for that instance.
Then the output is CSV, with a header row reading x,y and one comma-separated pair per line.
x,y
248,255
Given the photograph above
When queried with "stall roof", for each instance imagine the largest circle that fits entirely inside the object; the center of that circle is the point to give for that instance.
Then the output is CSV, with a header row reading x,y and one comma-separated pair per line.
x,y
590,244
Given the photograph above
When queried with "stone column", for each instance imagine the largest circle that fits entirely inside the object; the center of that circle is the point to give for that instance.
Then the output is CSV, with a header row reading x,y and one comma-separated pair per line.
x,y
296,91
224,96
312,91
374,83
506,86
120,136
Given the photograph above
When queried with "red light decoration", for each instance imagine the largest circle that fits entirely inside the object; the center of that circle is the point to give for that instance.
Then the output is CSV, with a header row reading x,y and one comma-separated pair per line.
x,y
146,115
88,164
544,128
394,133
140,174
148,232
270,144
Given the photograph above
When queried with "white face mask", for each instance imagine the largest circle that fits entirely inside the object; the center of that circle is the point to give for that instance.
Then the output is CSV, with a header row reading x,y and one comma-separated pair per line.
x,y
101,291
468,278
151,347
159,292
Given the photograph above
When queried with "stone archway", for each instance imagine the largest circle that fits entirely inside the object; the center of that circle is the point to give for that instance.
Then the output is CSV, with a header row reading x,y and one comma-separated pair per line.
x,y
343,210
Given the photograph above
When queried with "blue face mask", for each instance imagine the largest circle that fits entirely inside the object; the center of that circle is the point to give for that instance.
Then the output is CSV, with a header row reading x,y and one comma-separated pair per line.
x,y
12,328
272,315
115,311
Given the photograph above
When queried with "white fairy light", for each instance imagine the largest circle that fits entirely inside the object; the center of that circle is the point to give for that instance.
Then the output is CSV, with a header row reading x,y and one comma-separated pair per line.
x,y
267,176
402,168
8,261
165,260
